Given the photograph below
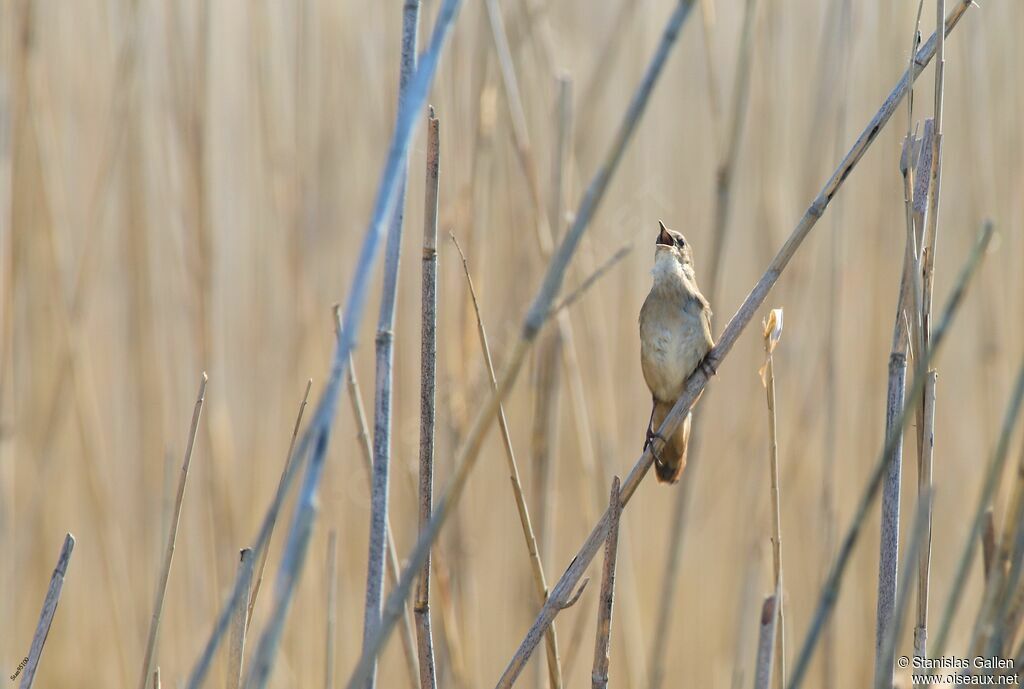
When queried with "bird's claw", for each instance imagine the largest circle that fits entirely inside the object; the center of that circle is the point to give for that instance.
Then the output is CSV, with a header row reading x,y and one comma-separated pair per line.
x,y
649,442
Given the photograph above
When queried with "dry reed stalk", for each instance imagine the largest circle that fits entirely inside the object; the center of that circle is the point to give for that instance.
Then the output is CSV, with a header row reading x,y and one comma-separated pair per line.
x,y
763,667
830,591
251,605
988,542
1001,580
727,149
544,439
926,433
887,648
698,379
428,360
536,565
172,535
236,640
535,318
602,647
772,334
889,536
156,678
384,346
330,637
993,474
363,436
50,602
916,183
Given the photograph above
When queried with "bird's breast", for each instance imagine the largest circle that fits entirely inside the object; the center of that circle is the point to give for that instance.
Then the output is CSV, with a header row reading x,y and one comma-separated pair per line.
x,y
672,344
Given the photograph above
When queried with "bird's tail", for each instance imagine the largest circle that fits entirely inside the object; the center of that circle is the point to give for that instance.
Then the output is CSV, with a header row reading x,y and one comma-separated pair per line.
x,y
670,460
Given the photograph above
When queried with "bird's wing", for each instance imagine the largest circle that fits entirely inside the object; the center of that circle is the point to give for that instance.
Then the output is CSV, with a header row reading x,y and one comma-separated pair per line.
x,y
698,306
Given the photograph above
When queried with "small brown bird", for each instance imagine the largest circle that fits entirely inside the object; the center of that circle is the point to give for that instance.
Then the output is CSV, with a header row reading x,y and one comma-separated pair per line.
x,y
675,336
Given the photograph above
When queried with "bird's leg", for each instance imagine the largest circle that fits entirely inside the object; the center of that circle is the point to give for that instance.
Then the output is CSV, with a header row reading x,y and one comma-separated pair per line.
x,y
651,435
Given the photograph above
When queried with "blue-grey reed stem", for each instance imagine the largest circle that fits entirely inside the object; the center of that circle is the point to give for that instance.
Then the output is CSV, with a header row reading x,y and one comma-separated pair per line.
x,y
384,386
830,590
766,641
409,115
46,614
535,318
428,361
894,626
889,535
926,417
606,600
696,382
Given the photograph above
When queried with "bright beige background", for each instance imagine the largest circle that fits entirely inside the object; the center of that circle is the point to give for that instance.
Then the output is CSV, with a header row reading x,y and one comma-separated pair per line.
x,y
162,219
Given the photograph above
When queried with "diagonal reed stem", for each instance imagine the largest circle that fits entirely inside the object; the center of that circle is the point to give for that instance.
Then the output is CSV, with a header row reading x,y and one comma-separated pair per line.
x,y
49,610
536,566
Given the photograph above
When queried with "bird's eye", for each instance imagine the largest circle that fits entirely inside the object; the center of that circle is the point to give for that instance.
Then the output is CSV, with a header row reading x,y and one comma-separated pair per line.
x,y
680,241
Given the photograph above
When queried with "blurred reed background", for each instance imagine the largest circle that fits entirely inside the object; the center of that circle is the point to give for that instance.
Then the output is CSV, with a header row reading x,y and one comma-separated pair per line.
x,y
184,186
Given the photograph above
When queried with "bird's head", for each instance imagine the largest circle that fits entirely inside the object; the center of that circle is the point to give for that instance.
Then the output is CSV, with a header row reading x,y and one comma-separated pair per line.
x,y
672,245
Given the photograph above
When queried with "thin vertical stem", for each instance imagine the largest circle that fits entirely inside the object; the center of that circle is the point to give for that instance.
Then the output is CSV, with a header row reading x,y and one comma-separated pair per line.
x,y
236,640
355,396
926,438
772,333
385,359
543,443
49,610
428,360
602,647
887,652
172,535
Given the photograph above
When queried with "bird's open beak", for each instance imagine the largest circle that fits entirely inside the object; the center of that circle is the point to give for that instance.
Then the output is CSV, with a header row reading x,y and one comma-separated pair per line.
x,y
664,238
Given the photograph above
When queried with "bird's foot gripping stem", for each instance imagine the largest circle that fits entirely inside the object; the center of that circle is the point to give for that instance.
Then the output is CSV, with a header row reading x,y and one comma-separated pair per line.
x,y
649,442
709,366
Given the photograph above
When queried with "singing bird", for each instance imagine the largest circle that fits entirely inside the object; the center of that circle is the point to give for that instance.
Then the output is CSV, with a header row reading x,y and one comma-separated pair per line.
x,y
675,336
